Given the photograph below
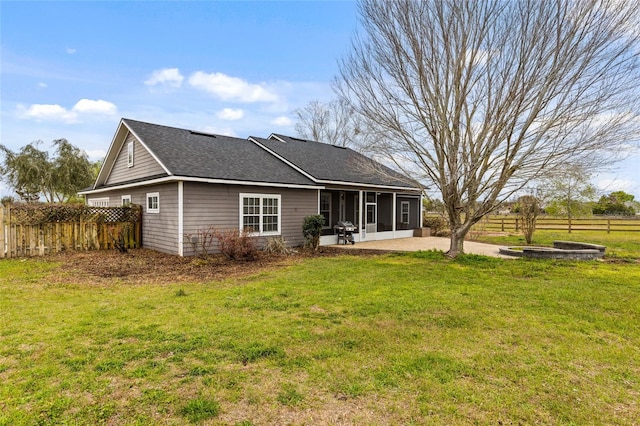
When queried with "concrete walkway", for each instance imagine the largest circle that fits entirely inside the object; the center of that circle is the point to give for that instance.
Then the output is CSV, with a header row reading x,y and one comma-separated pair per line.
x,y
425,243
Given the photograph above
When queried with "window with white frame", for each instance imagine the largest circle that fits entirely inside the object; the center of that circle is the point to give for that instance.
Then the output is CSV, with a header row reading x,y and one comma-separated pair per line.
x,y
404,212
130,154
325,208
126,200
153,202
260,214
98,202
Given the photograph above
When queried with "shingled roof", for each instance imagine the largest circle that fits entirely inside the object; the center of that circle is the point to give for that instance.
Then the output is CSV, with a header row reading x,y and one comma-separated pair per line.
x,y
189,153
333,164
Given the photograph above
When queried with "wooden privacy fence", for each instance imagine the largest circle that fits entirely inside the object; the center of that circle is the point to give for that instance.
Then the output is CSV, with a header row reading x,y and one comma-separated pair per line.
x,y
607,224
39,229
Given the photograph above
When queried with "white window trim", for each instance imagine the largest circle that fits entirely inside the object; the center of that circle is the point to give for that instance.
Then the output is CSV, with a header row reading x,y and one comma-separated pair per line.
x,y
98,202
402,212
151,195
261,233
126,200
130,153
327,224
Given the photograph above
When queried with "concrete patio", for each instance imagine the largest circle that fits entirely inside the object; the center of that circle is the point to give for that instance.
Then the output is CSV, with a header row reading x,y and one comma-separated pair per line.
x,y
426,243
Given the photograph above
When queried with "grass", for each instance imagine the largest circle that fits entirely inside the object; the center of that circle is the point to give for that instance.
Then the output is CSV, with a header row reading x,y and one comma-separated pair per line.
x,y
619,244
393,339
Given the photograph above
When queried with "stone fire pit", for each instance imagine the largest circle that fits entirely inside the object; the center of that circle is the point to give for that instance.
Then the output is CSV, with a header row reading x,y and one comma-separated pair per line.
x,y
560,250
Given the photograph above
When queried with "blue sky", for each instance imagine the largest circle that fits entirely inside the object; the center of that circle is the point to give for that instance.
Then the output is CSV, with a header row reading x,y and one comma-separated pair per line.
x,y
73,69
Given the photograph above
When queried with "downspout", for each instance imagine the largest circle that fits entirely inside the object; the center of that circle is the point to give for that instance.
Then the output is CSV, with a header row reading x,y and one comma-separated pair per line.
x,y
180,218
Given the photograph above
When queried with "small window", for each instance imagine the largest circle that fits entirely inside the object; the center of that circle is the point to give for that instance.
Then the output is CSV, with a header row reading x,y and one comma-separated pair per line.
x,y
404,212
153,202
98,202
260,213
130,154
126,200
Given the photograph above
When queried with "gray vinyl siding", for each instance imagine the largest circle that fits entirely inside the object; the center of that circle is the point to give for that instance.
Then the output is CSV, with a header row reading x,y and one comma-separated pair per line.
x,y
219,206
144,165
159,230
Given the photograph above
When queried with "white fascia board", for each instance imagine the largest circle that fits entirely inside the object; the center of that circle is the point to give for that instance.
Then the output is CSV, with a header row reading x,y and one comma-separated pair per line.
x,y
112,154
167,179
367,185
284,160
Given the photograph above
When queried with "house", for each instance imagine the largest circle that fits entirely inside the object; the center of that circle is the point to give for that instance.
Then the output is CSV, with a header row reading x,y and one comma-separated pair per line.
x,y
188,180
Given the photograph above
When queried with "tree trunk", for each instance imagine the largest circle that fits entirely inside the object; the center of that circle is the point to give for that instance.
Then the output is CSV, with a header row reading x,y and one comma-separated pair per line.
x,y
457,242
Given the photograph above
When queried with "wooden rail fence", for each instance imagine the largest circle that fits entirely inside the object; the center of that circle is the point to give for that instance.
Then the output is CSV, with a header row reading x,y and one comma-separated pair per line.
x,y
607,224
40,229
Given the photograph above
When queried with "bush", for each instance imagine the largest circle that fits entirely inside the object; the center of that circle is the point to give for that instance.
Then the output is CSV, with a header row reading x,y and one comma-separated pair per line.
x,y
278,245
237,245
438,224
311,229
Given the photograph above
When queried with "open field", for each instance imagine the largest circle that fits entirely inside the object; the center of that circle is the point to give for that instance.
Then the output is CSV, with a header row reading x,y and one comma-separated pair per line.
x,y
389,339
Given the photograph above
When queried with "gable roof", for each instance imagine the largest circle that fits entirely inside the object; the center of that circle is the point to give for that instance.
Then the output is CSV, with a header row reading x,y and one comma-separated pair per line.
x,y
326,163
281,160
191,154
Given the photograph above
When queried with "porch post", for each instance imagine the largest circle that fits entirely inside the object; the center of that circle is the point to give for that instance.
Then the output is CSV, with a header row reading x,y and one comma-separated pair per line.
x,y
393,215
421,210
361,213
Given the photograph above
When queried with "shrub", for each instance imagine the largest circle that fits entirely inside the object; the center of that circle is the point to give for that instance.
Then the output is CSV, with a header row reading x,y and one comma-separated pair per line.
x,y
237,245
311,229
278,245
201,241
438,224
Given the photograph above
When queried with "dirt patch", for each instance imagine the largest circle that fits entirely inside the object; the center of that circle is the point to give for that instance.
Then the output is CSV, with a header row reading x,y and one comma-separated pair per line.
x,y
142,266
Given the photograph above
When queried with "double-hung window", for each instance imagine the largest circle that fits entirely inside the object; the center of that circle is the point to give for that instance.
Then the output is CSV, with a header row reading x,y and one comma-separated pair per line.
x,y
153,202
404,212
260,213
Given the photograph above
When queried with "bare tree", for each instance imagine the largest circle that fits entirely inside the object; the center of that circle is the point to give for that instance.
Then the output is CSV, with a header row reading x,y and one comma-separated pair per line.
x,y
481,97
334,122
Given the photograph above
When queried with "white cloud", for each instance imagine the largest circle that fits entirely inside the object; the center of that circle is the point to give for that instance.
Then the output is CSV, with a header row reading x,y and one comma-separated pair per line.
x,y
48,112
614,184
232,88
55,112
282,121
42,85
71,50
170,77
88,106
96,154
230,114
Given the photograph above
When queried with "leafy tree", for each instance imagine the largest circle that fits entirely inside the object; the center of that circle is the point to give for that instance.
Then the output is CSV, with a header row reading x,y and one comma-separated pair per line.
x,y
569,194
28,171
616,203
32,174
480,98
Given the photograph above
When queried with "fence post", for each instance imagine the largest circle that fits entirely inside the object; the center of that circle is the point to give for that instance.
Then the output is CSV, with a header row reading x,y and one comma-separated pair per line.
x,y
608,226
502,220
569,225
2,232
516,224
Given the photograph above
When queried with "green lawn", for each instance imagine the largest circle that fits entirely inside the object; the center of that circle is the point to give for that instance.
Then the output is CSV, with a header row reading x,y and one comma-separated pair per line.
x,y
392,339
